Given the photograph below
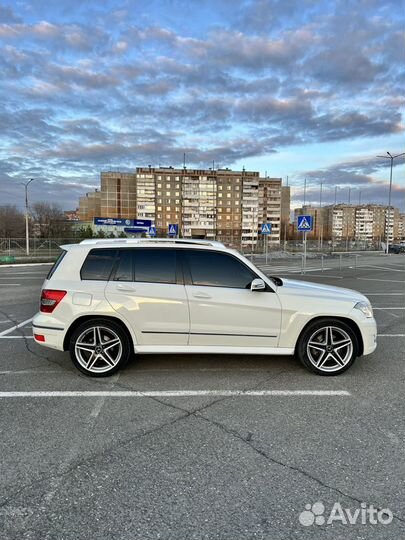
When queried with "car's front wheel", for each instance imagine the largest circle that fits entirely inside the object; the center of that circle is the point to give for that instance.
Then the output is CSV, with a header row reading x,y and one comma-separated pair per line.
x,y
328,347
99,347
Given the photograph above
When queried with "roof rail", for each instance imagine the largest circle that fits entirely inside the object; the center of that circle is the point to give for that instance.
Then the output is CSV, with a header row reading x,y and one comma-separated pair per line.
x,y
203,242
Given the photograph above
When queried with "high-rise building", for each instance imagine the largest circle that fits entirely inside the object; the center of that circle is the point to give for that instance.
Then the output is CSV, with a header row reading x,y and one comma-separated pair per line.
x,y
90,206
344,222
224,204
118,194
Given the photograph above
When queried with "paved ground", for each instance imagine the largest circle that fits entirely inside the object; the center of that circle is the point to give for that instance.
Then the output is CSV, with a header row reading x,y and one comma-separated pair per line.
x,y
203,466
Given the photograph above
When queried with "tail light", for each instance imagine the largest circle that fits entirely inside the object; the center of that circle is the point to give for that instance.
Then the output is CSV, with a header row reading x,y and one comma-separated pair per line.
x,y
50,298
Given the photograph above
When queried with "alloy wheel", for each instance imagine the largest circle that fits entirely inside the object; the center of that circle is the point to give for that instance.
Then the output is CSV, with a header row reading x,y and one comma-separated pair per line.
x,y
330,348
98,349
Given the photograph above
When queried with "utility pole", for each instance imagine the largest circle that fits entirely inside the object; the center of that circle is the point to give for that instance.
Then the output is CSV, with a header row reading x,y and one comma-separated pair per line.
x,y
27,232
388,221
320,218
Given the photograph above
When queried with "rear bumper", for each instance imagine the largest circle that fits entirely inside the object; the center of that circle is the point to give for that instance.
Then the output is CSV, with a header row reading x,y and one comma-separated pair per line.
x,y
52,331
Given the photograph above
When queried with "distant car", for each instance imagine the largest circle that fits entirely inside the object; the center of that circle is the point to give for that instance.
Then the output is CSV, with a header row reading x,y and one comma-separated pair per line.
x,y
106,299
396,248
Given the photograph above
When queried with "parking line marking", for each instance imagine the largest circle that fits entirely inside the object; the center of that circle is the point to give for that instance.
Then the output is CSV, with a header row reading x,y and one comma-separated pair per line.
x,y
381,267
390,335
9,330
384,294
16,337
374,308
384,280
171,393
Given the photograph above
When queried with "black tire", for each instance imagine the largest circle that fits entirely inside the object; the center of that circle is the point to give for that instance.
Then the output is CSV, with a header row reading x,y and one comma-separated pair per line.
x,y
322,350
104,347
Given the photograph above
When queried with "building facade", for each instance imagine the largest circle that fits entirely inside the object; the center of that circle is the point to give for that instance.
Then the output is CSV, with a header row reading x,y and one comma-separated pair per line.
x,y
204,203
368,223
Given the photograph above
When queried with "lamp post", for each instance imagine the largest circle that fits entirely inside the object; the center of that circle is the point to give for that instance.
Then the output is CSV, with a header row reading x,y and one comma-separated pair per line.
x,y
27,232
320,219
391,158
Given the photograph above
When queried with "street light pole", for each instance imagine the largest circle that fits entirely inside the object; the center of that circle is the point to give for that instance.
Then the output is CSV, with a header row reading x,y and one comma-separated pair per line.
x,y
27,232
388,221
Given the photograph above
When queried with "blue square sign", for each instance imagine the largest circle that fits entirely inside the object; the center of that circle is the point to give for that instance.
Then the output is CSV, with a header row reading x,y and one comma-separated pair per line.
x,y
305,223
173,229
266,228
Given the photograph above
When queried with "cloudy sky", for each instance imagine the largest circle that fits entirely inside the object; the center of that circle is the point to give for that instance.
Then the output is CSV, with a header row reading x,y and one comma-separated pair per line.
x,y
301,88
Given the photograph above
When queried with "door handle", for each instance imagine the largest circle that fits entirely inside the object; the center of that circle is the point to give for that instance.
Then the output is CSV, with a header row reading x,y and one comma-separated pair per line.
x,y
201,295
127,288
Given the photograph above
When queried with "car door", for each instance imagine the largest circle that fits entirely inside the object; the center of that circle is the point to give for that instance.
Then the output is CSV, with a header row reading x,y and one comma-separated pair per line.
x,y
147,289
223,309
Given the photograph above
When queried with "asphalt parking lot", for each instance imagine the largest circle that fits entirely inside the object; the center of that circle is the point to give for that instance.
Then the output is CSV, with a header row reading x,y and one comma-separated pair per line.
x,y
202,447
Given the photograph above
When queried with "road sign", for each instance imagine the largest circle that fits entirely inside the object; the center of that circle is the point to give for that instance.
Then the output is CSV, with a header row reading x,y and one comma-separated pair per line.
x,y
173,229
266,228
305,223
152,231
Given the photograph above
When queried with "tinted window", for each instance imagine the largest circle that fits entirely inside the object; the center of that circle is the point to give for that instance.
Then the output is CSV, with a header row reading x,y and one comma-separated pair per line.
x,y
57,263
123,268
155,265
98,264
218,270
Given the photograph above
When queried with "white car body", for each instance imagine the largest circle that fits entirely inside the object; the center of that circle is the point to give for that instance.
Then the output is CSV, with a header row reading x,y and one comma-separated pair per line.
x,y
186,318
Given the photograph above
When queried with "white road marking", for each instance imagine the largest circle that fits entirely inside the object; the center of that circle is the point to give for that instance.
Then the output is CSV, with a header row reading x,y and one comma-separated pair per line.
x,y
390,335
9,330
384,280
171,393
381,267
28,371
100,402
16,337
22,265
374,308
10,284
384,294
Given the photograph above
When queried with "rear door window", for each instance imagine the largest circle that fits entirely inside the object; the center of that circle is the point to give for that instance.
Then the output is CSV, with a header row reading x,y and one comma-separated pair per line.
x,y
155,265
98,264
124,266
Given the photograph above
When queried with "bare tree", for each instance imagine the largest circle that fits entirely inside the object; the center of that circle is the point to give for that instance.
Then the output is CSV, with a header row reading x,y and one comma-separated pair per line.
x,y
49,220
12,223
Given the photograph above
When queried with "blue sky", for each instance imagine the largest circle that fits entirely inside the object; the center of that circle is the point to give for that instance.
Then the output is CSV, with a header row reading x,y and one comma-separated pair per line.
x,y
291,87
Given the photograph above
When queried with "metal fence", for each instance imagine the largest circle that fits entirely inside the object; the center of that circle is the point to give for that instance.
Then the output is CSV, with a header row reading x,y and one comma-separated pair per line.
x,y
289,255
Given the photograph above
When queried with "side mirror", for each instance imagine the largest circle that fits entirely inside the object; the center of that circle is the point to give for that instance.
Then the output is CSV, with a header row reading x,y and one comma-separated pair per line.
x,y
257,285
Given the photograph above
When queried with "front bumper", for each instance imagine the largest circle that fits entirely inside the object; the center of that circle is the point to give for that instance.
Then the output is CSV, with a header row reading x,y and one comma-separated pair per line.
x,y
368,329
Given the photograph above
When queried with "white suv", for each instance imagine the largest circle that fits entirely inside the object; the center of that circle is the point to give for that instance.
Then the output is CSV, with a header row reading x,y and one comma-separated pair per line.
x,y
106,299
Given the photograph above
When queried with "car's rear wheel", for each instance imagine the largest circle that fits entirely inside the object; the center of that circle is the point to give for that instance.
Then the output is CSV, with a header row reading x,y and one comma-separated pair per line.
x,y
328,347
99,347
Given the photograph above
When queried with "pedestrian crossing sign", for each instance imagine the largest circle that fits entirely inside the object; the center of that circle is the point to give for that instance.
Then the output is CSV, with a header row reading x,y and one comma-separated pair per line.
x,y
266,228
173,229
305,223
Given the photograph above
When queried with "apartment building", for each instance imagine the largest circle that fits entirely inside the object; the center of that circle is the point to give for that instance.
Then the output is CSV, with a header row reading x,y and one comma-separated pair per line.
x,y
320,220
343,222
401,227
205,203
118,194
90,206
274,205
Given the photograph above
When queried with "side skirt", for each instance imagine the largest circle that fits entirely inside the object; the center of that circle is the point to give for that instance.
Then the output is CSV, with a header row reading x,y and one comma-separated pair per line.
x,y
196,349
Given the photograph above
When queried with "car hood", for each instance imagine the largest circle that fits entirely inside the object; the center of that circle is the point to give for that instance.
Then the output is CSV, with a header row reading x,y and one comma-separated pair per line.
x,y
318,290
